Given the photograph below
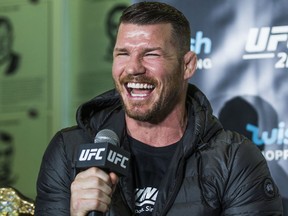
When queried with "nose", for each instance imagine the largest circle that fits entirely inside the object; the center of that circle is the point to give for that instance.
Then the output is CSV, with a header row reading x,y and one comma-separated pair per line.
x,y
135,66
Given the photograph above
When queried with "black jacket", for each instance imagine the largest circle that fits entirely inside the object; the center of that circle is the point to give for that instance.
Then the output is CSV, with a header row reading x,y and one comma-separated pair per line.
x,y
214,172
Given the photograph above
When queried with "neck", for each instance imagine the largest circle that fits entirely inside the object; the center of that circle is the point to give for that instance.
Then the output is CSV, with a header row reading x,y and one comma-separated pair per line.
x,y
165,133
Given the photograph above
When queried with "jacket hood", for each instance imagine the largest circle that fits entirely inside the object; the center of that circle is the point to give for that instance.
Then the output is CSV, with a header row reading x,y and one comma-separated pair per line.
x,y
100,108
202,125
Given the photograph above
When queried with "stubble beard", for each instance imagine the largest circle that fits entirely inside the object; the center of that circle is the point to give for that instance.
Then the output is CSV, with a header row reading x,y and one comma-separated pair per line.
x,y
160,109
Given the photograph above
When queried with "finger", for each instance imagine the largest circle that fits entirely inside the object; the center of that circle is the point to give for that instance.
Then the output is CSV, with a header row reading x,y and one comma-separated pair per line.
x,y
90,183
94,171
99,206
84,205
88,199
113,178
92,190
94,194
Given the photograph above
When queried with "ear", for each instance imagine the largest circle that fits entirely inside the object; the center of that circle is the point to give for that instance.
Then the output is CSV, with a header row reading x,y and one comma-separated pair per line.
x,y
190,64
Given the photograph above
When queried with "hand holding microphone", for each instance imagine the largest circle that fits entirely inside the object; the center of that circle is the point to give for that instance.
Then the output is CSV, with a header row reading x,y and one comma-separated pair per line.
x,y
92,189
102,161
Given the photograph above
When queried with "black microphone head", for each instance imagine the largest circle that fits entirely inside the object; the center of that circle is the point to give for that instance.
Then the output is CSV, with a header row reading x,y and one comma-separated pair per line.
x,y
107,135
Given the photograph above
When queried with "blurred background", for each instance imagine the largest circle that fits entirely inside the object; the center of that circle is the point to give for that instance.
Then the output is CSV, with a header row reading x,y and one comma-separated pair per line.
x,y
56,54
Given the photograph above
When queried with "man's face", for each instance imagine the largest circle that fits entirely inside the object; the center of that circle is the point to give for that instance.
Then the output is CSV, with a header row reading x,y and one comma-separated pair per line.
x,y
5,42
147,71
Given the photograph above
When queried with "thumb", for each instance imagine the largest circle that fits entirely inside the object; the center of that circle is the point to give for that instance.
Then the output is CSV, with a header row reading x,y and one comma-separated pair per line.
x,y
114,179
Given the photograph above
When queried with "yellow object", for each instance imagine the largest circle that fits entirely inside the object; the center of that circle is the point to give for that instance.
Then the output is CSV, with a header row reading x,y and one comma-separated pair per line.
x,y
13,203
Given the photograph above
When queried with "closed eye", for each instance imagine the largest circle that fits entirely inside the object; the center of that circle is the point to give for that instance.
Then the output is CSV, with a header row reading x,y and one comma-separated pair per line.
x,y
122,54
152,54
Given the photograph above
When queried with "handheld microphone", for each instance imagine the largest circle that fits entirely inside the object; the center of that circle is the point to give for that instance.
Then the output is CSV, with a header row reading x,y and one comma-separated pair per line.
x,y
106,154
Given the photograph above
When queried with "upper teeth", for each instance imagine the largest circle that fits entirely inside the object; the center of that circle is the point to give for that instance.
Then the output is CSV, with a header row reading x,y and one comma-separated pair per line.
x,y
140,85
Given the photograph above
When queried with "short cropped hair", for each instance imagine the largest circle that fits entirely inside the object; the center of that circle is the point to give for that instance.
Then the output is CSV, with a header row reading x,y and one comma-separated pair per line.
x,y
146,13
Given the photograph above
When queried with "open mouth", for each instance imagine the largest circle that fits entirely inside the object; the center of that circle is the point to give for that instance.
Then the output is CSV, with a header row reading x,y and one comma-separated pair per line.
x,y
139,90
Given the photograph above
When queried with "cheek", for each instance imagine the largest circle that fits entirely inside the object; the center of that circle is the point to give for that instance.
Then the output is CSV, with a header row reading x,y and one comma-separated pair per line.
x,y
116,70
119,65
175,79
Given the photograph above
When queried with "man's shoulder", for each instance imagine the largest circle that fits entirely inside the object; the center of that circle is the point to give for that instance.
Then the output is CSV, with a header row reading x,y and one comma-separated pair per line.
x,y
229,145
65,141
229,139
74,135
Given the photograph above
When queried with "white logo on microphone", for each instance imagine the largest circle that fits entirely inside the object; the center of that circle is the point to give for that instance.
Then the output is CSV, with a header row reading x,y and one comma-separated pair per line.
x,y
87,154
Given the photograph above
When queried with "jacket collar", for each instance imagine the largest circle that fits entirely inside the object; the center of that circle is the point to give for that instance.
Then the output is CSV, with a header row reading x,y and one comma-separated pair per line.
x,y
105,111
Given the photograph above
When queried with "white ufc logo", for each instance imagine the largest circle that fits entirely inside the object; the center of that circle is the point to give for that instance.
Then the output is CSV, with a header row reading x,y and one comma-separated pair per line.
x,y
266,38
117,158
88,154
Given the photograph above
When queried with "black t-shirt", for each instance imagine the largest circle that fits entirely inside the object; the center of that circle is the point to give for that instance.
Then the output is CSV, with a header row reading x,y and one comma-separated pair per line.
x,y
149,166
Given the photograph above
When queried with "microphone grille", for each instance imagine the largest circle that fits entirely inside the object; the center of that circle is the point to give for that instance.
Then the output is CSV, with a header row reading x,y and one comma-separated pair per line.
x,y
106,135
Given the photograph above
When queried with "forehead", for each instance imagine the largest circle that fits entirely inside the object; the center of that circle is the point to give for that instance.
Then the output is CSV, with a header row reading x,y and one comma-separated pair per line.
x,y
150,33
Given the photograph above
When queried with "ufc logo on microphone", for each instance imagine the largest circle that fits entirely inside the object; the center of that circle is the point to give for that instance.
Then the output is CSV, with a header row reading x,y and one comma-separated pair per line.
x,y
106,156
117,158
87,154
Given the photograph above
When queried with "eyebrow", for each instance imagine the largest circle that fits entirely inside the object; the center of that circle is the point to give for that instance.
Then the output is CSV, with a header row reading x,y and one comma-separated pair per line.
x,y
152,49
120,49
145,49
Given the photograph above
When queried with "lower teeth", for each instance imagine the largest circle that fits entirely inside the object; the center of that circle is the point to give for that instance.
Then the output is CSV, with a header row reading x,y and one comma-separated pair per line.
x,y
138,95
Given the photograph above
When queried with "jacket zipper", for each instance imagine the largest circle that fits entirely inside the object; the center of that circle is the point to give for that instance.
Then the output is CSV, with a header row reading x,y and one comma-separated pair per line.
x,y
125,201
174,190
